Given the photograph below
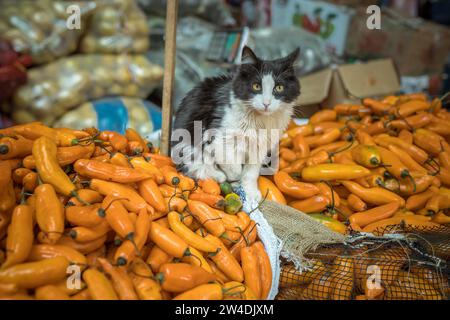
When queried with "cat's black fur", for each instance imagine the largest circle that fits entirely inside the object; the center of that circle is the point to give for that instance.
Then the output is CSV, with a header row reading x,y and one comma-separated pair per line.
x,y
251,72
206,102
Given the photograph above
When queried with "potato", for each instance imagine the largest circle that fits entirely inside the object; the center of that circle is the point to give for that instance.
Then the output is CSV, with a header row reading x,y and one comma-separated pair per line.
x,y
117,27
132,90
141,44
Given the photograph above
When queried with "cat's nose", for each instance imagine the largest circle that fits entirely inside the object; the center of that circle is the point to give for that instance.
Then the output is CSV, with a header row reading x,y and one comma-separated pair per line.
x,y
266,105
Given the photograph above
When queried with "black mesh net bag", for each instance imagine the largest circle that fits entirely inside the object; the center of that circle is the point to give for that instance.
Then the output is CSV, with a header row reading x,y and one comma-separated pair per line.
x,y
432,240
392,267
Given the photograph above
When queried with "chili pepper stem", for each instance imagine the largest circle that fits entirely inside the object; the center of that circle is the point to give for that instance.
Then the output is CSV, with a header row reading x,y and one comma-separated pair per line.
x,y
121,261
130,237
413,182
187,253
225,290
225,236
22,196
101,212
4,149
332,193
331,154
212,254
341,213
438,169
198,259
73,234
260,203
75,194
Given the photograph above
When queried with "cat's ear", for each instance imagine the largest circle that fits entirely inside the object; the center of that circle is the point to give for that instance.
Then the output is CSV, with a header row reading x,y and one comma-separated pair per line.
x,y
248,56
291,58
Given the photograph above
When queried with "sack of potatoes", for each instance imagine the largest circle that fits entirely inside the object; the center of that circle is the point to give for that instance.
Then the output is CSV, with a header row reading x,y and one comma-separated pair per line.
x,y
117,27
39,28
59,86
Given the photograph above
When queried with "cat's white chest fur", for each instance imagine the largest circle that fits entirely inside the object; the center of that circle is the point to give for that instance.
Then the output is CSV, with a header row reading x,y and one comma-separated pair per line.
x,y
245,137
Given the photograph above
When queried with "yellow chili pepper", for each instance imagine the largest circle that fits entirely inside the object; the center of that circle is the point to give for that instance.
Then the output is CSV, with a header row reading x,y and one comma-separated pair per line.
x,y
49,213
44,152
366,155
20,235
36,274
375,195
334,171
331,223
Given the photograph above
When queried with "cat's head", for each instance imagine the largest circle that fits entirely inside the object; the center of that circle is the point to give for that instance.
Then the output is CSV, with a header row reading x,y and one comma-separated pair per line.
x,y
266,86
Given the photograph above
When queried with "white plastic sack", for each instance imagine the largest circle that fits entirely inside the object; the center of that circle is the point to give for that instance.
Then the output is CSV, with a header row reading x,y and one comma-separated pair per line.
x,y
271,242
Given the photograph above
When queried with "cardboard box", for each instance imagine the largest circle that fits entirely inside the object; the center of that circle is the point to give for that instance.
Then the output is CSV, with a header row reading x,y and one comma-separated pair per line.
x,y
417,46
346,84
327,21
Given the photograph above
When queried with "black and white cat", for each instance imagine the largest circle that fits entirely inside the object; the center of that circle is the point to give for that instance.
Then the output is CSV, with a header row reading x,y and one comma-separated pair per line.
x,y
228,112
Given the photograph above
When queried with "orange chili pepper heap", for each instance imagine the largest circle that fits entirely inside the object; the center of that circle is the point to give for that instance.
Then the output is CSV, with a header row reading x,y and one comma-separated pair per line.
x,y
139,229
375,158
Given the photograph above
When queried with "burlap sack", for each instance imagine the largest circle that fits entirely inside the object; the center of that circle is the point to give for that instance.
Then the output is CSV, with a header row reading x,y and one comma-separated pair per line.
x,y
286,232
297,231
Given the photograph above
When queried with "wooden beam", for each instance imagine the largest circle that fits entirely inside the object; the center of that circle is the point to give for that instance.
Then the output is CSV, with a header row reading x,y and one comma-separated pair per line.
x,y
169,73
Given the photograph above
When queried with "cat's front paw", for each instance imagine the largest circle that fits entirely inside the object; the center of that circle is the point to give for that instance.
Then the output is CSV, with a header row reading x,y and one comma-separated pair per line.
x,y
219,176
232,171
210,172
252,194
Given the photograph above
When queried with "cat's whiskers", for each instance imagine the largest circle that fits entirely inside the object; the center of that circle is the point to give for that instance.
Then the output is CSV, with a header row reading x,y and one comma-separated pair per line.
x,y
300,112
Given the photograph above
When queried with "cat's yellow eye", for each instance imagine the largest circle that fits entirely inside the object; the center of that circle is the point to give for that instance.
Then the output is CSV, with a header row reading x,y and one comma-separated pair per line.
x,y
279,88
256,86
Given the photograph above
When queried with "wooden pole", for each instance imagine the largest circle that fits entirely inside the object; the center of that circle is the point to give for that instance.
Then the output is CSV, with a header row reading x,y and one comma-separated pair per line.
x,y
169,73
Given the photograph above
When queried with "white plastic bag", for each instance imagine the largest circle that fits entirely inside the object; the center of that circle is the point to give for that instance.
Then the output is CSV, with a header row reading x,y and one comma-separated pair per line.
x,y
271,242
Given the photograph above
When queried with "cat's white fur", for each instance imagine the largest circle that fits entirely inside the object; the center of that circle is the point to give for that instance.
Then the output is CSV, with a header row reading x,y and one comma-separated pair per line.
x,y
241,120
264,102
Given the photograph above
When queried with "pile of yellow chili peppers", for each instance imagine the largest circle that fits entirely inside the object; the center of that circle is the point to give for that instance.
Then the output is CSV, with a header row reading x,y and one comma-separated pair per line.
x,y
368,166
100,215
